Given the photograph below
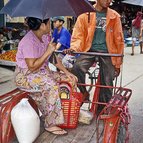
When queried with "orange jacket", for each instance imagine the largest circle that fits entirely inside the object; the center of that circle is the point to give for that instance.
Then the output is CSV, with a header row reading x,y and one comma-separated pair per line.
x,y
84,29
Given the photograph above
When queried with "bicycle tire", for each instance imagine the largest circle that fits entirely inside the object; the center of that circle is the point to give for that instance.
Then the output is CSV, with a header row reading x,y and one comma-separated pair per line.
x,y
121,136
121,133
91,81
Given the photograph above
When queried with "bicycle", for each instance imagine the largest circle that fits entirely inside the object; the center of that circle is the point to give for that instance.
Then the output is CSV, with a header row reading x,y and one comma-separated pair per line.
x,y
91,77
115,114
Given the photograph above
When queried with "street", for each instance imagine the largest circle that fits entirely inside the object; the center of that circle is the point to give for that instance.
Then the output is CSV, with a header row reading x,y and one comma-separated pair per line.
x,y
132,77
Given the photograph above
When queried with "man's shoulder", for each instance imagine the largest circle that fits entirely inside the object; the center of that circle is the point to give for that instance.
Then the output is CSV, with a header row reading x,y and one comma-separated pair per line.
x,y
64,30
55,30
84,15
113,12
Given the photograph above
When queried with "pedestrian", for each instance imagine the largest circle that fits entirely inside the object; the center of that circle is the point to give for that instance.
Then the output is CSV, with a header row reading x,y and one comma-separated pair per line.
x,y
141,38
99,31
61,35
136,28
33,75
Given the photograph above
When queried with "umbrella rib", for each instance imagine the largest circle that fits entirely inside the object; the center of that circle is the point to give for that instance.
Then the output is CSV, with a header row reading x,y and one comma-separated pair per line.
x,y
43,5
133,2
16,8
72,7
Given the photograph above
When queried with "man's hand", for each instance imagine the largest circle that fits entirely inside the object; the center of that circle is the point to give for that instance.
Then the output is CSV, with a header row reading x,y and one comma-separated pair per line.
x,y
68,51
117,72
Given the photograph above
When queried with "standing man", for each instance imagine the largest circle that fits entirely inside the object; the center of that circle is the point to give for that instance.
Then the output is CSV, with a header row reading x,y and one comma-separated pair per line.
x,y
141,38
99,31
136,31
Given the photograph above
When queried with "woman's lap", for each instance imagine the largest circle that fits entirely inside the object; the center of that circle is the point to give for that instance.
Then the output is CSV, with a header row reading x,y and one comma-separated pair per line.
x,y
45,85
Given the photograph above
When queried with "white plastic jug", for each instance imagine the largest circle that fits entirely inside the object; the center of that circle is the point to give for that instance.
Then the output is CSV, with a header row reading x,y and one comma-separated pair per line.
x,y
85,116
25,121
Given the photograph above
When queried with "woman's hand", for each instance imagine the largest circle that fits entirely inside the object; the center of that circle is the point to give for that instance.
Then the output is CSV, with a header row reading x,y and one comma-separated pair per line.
x,y
51,47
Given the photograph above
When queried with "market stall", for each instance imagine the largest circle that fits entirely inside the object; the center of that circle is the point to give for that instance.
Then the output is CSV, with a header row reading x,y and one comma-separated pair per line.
x,y
9,40
8,58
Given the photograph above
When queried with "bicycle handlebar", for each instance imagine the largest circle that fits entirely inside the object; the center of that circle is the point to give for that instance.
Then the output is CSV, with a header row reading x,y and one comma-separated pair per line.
x,y
95,54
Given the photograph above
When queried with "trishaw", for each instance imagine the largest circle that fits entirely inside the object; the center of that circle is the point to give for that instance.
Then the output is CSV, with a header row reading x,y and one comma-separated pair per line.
x,y
114,118
115,114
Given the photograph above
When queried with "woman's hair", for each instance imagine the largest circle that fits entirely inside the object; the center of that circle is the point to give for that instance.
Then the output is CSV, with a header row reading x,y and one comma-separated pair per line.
x,y
35,23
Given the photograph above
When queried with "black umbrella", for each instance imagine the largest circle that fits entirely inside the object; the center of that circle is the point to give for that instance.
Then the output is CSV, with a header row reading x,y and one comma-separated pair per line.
x,y
46,8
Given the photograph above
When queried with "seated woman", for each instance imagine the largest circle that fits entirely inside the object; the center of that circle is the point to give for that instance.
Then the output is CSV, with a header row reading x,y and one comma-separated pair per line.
x,y
33,74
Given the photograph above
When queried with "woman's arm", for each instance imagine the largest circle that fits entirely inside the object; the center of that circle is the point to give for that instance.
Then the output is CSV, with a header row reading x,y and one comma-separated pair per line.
x,y
35,63
58,45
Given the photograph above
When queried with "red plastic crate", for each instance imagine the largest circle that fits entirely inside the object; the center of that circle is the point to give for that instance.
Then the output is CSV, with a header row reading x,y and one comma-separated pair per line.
x,y
7,102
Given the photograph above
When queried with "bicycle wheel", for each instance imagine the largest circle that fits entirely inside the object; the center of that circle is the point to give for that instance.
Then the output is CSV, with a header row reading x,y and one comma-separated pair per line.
x,y
121,136
89,80
115,135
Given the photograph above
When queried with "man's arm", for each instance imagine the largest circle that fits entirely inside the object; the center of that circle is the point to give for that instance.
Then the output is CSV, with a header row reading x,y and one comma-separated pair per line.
x,y
79,34
119,41
63,40
78,38
141,31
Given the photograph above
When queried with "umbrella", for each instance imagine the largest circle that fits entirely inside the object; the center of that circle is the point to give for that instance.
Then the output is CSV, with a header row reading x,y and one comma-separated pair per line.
x,y
134,2
46,8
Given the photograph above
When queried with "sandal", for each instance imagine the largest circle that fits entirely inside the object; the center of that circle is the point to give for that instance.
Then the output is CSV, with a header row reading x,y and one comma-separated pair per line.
x,y
57,131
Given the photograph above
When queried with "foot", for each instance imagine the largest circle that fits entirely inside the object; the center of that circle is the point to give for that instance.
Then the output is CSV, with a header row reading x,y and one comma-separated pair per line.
x,y
141,52
56,130
132,54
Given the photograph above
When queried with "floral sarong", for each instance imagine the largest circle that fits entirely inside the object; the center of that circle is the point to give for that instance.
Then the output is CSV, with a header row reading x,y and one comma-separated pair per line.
x,y
44,85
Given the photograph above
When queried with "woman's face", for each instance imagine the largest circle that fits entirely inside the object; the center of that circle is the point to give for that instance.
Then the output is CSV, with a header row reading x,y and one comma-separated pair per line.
x,y
46,27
